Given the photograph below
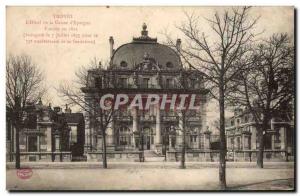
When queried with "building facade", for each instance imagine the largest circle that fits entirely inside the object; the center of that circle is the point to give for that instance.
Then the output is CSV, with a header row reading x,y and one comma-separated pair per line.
x,y
146,66
241,135
47,134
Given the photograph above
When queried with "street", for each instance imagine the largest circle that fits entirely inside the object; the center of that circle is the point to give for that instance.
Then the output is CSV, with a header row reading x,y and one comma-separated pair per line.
x,y
140,176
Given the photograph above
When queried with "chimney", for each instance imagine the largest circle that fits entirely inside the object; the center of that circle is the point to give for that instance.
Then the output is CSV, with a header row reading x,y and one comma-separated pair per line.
x,y
57,109
68,110
111,43
178,44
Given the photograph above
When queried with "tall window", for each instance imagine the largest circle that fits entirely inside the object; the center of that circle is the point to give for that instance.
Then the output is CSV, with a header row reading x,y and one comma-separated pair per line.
x,y
32,143
124,138
123,82
201,141
73,134
193,83
238,143
232,143
169,83
98,82
145,83
193,138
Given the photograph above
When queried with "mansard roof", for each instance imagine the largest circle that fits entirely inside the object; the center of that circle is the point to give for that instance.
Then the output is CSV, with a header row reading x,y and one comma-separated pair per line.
x,y
145,50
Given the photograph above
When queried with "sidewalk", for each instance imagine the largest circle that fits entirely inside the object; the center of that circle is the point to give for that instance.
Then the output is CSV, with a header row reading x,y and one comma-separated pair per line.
x,y
135,178
147,165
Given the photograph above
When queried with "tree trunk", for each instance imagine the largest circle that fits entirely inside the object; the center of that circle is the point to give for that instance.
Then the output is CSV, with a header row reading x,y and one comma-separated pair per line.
x,y
222,166
18,127
17,144
260,153
104,150
261,135
182,165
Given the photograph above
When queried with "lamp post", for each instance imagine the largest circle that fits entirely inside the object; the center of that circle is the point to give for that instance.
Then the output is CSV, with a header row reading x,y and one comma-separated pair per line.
x,y
166,133
142,143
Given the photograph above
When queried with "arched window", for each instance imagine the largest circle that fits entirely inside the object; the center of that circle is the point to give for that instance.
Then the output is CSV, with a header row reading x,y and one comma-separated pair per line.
x,y
169,64
123,64
124,138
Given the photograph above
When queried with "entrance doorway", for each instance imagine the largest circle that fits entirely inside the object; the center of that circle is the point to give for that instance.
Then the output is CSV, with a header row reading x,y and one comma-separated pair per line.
x,y
147,138
32,144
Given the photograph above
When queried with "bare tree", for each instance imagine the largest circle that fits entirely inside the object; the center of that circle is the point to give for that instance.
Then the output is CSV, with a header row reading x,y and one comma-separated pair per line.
x,y
24,84
73,95
216,57
266,88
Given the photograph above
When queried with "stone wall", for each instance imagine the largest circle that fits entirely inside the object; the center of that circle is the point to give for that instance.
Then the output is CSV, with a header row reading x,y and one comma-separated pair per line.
x,y
42,157
130,156
238,156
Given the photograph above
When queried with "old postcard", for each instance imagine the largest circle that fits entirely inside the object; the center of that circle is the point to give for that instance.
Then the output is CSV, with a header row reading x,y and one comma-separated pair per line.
x,y
150,98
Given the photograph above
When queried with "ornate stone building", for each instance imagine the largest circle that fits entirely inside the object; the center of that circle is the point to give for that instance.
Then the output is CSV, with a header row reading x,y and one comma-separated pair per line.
x,y
241,133
47,134
146,66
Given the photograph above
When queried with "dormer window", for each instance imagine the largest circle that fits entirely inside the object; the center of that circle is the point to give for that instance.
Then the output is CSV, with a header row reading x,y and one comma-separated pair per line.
x,y
98,82
169,65
123,82
169,83
123,64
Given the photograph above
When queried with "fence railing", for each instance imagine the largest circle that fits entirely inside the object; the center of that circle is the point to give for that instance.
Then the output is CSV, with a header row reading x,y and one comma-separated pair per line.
x,y
237,155
115,155
41,156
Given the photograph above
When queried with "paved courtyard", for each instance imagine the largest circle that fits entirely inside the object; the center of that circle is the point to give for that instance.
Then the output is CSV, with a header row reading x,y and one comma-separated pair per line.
x,y
149,176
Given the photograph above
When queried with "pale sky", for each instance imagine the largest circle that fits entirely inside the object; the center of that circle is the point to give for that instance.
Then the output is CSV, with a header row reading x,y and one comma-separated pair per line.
x,y
60,61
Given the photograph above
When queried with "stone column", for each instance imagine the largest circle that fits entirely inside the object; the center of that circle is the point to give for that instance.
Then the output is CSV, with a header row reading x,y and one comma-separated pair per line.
x,y
99,143
57,143
38,143
273,141
273,134
49,139
282,132
206,144
158,144
134,125
14,140
253,138
242,140
179,133
57,148
206,140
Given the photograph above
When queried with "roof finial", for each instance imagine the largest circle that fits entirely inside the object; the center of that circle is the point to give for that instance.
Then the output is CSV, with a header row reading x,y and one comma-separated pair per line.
x,y
144,26
40,101
144,31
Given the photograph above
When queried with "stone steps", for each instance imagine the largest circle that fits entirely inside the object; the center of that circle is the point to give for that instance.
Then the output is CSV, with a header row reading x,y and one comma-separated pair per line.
x,y
155,159
152,156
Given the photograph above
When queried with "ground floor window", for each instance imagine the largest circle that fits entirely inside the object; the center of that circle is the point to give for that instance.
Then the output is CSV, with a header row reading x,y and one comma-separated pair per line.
x,y
124,136
201,141
268,141
124,140
173,141
238,143
32,144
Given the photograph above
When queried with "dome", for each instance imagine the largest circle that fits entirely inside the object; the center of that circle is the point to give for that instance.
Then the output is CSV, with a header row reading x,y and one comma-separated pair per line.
x,y
131,55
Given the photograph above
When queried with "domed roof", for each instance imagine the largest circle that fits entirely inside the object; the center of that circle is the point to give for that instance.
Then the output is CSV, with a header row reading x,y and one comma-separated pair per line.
x,y
142,49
